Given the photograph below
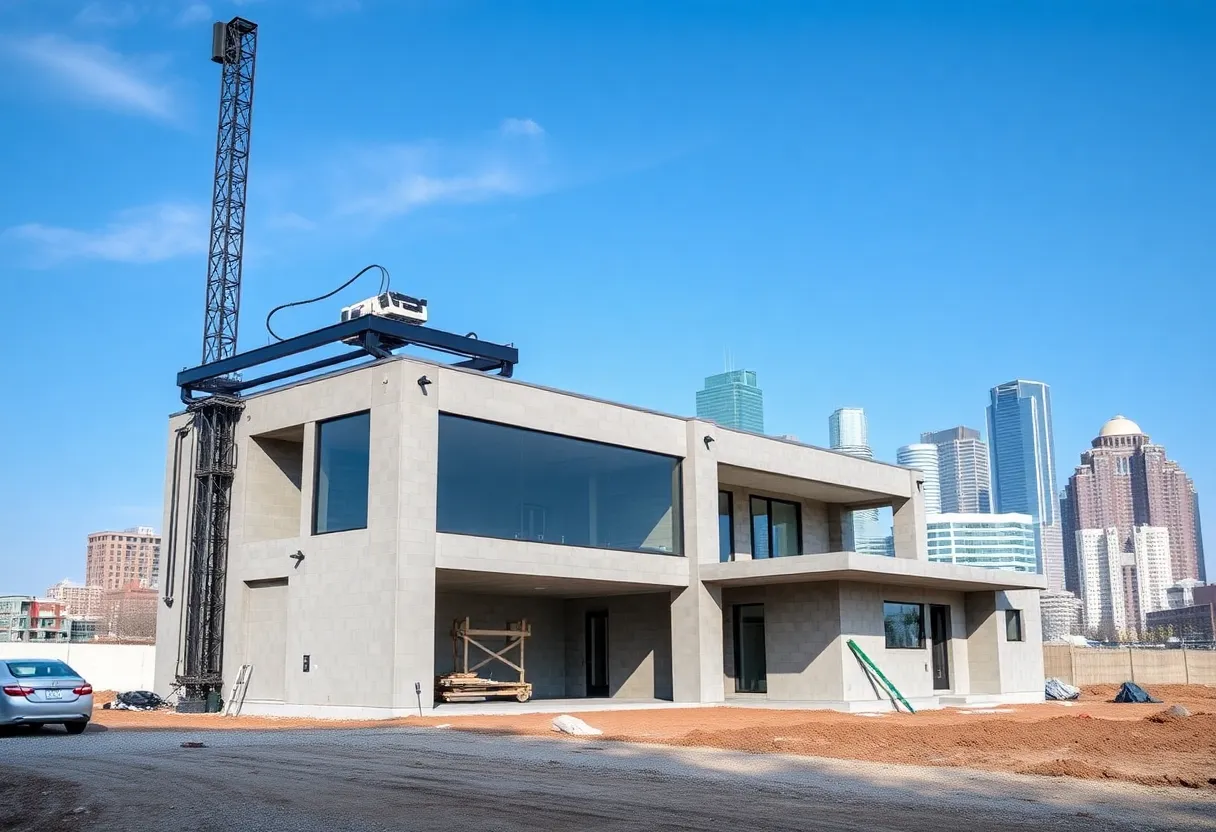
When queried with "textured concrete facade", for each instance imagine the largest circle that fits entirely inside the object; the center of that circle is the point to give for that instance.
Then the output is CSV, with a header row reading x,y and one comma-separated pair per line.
x,y
372,608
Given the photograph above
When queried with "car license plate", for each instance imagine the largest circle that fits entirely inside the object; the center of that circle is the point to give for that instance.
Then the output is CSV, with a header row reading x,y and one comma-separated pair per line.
x,y
54,694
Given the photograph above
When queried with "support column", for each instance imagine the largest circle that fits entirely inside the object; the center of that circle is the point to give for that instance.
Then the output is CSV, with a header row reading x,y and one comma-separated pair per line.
x,y
696,612
908,515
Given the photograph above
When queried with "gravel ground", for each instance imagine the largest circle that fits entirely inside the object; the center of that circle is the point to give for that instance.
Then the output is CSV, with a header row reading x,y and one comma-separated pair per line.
x,y
423,779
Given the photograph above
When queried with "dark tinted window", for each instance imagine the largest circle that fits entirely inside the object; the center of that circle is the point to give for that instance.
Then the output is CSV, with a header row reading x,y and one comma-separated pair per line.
x,y
1013,625
36,669
904,625
507,482
726,526
343,455
776,528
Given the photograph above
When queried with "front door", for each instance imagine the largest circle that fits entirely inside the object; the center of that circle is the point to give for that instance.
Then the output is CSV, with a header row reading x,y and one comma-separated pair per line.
x,y
751,673
939,634
597,653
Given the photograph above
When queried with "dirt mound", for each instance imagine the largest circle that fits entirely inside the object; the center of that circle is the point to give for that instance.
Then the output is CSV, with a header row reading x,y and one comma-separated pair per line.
x,y
1069,768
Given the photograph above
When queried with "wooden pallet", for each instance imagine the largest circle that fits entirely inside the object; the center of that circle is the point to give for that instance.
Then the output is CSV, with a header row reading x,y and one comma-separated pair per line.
x,y
464,684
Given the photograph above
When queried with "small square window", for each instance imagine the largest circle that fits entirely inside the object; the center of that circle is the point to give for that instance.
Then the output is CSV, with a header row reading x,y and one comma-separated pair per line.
x,y
904,625
1013,625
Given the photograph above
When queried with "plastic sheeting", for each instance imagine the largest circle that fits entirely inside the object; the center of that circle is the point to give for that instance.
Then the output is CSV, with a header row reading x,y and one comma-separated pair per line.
x,y
1055,689
1131,692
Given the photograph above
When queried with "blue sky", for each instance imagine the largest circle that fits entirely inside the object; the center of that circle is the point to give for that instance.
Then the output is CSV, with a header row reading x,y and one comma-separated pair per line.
x,y
889,205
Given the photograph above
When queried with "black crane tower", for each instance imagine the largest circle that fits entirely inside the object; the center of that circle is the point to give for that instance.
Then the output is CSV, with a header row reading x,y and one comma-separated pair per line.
x,y
215,416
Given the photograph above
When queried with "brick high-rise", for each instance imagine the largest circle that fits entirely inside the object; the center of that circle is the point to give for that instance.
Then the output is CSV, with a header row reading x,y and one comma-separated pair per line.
x,y
116,559
1125,481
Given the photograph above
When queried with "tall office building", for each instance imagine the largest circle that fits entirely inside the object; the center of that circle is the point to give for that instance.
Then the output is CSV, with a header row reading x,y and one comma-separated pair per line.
x,y
116,559
1125,481
923,457
1023,466
733,400
962,464
849,434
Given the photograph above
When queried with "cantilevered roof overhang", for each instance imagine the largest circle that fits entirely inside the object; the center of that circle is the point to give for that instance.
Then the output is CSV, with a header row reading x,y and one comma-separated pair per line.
x,y
872,569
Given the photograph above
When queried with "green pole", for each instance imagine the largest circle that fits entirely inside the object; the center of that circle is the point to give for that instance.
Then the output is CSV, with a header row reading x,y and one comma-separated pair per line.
x,y
857,651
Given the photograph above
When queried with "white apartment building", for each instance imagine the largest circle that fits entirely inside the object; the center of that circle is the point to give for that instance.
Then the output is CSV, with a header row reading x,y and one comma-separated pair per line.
x,y
1153,569
78,600
923,457
1100,570
990,541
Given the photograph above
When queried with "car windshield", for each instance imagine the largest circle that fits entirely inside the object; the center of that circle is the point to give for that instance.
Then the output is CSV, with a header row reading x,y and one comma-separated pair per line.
x,y
31,670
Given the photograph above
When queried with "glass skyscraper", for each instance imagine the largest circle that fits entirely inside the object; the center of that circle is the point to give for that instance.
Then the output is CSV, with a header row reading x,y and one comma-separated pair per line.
x,y
733,400
1022,446
848,432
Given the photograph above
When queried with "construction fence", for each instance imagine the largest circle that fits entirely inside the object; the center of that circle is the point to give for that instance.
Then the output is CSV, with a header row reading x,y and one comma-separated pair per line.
x,y
1114,665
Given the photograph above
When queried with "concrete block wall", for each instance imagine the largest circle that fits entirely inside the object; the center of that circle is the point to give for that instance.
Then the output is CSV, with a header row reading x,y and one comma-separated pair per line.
x,y
909,670
801,631
639,645
274,497
815,527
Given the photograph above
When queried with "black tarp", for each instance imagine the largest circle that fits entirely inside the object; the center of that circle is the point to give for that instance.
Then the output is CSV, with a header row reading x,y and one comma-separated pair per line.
x,y
1131,692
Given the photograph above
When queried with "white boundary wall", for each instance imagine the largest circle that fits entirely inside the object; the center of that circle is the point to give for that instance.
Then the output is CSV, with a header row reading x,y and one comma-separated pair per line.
x,y
116,667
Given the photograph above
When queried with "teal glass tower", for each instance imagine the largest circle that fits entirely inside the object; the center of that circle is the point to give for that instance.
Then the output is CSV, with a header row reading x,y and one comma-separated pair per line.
x,y
733,400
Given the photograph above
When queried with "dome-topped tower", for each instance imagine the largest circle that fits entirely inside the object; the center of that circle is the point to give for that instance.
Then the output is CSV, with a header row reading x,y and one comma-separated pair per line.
x,y
1120,432
1120,426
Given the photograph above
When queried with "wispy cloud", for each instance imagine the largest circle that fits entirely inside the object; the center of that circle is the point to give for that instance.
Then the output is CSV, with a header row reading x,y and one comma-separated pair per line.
x,y
94,75
107,14
193,13
144,235
520,127
394,179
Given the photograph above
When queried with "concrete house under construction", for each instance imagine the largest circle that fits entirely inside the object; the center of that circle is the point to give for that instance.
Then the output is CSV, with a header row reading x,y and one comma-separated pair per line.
x,y
653,557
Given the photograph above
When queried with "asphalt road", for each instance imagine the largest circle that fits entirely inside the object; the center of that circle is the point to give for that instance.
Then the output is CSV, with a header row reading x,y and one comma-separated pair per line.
x,y
428,779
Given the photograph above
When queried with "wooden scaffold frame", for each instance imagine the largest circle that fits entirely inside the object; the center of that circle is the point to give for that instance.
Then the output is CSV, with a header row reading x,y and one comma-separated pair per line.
x,y
464,683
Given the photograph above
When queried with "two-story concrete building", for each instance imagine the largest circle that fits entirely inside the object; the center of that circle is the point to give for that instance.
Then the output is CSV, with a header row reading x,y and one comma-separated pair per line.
x,y
655,557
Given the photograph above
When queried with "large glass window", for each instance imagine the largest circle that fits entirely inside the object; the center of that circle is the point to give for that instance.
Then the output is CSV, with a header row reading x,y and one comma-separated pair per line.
x,y
343,455
508,482
904,625
726,526
776,528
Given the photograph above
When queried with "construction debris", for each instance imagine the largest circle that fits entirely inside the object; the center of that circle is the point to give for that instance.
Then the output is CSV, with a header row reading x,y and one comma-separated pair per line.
x,y
1055,689
567,724
135,700
465,684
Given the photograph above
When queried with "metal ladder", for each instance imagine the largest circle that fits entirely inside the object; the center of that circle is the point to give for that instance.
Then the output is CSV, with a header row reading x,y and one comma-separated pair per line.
x,y
239,687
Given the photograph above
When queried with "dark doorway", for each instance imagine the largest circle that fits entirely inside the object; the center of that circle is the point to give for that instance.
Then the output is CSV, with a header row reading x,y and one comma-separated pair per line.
x,y
751,672
597,653
939,634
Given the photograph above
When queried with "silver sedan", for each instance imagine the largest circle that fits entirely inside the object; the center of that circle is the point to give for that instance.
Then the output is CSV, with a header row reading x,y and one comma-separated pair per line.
x,y
44,692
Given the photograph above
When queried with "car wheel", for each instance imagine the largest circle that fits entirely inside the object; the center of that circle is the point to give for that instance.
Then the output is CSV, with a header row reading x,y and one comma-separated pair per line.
x,y
75,727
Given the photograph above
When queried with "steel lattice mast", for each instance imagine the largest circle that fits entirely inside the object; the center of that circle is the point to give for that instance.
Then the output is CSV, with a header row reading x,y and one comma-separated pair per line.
x,y
234,46
215,417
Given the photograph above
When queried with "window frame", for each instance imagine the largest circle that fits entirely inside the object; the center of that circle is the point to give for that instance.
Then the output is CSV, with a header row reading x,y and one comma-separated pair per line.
x,y
677,487
316,471
727,555
1012,616
751,510
921,639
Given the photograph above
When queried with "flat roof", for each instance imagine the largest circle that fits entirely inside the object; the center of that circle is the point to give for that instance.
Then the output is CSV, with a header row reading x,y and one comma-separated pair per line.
x,y
558,391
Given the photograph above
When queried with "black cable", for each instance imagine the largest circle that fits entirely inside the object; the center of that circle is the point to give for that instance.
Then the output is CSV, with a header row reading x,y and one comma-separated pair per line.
x,y
384,283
